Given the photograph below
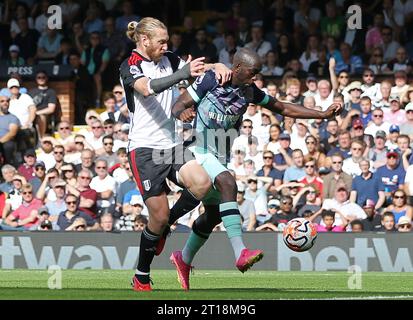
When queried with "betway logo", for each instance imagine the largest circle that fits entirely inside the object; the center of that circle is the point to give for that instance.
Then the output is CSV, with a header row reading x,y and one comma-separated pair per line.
x,y
335,258
92,257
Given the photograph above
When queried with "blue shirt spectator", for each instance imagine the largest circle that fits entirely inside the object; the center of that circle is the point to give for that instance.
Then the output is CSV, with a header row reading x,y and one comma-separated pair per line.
x,y
391,176
366,188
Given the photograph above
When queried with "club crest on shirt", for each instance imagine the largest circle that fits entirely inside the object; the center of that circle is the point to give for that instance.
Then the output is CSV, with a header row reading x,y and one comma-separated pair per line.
x,y
134,70
147,185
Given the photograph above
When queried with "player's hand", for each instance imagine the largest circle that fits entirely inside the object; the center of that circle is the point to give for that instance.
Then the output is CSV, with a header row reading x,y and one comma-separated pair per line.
x,y
187,115
332,111
222,73
196,66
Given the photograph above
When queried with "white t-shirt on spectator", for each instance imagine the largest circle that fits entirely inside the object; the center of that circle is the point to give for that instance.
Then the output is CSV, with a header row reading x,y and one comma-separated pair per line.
x,y
47,158
108,183
258,160
324,104
348,209
408,180
20,107
95,143
117,144
372,128
263,135
256,119
120,175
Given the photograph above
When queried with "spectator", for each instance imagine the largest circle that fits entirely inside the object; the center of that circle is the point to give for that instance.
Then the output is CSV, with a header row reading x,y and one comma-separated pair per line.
x,y
108,127
26,215
39,175
311,200
365,186
121,132
306,18
26,40
394,114
324,98
119,170
203,48
92,22
373,220
124,187
389,45
127,16
48,46
79,143
356,226
96,58
140,223
26,169
351,165
377,64
401,86
311,177
58,205
262,131
69,174
337,175
46,103
109,102
23,107
407,126
377,123
105,186
258,44
65,137
310,55
282,156
286,213
271,65
404,225
106,223
387,222
58,153
21,11
258,194
370,88
296,171
115,41
313,150
350,63
284,50
268,169
399,206
333,24
87,161
340,202
391,176
63,56
79,224
9,126
393,136
7,171
401,62
40,23
247,210
83,87
226,54
319,67
329,224
14,59
68,217
45,153
108,155
237,162
46,192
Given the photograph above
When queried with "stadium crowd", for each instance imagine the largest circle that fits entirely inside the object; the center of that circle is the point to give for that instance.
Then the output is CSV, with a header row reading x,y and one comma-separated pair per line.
x,y
352,173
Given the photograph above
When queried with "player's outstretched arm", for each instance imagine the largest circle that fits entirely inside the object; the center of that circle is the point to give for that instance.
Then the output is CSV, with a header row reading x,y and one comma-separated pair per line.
x,y
147,87
183,108
298,111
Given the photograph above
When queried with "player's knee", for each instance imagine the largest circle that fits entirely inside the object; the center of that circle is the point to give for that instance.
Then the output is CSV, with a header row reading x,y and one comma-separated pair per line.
x,y
225,183
200,185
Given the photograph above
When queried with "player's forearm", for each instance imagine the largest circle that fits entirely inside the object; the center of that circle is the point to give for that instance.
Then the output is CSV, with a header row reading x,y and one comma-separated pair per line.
x,y
161,84
298,111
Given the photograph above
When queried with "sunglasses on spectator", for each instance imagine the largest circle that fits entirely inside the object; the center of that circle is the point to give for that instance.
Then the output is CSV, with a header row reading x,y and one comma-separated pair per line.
x,y
337,162
108,143
398,197
268,157
108,127
27,192
78,142
71,202
117,92
309,166
378,115
405,226
118,131
84,178
370,75
99,127
100,167
64,128
272,207
245,127
310,142
58,152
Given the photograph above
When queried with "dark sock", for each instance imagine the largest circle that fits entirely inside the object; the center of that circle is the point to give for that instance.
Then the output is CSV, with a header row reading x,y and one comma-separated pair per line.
x,y
185,204
147,249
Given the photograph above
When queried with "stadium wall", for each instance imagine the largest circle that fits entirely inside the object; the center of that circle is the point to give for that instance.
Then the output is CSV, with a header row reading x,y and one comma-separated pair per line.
x,y
339,251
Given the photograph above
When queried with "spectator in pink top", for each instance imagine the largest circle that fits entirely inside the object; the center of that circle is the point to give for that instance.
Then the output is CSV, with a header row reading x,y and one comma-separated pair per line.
x,y
373,36
26,215
328,217
394,115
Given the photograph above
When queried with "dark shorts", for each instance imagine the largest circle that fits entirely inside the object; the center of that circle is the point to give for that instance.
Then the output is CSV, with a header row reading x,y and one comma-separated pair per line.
x,y
151,168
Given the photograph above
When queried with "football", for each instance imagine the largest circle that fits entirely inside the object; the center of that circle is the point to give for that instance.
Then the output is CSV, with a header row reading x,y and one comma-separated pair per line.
x,y
299,234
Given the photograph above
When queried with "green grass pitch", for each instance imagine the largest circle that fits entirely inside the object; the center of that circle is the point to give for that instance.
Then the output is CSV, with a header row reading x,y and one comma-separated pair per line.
x,y
218,285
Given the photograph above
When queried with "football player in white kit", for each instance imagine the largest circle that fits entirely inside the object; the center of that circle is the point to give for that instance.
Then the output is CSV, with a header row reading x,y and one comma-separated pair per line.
x,y
147,77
